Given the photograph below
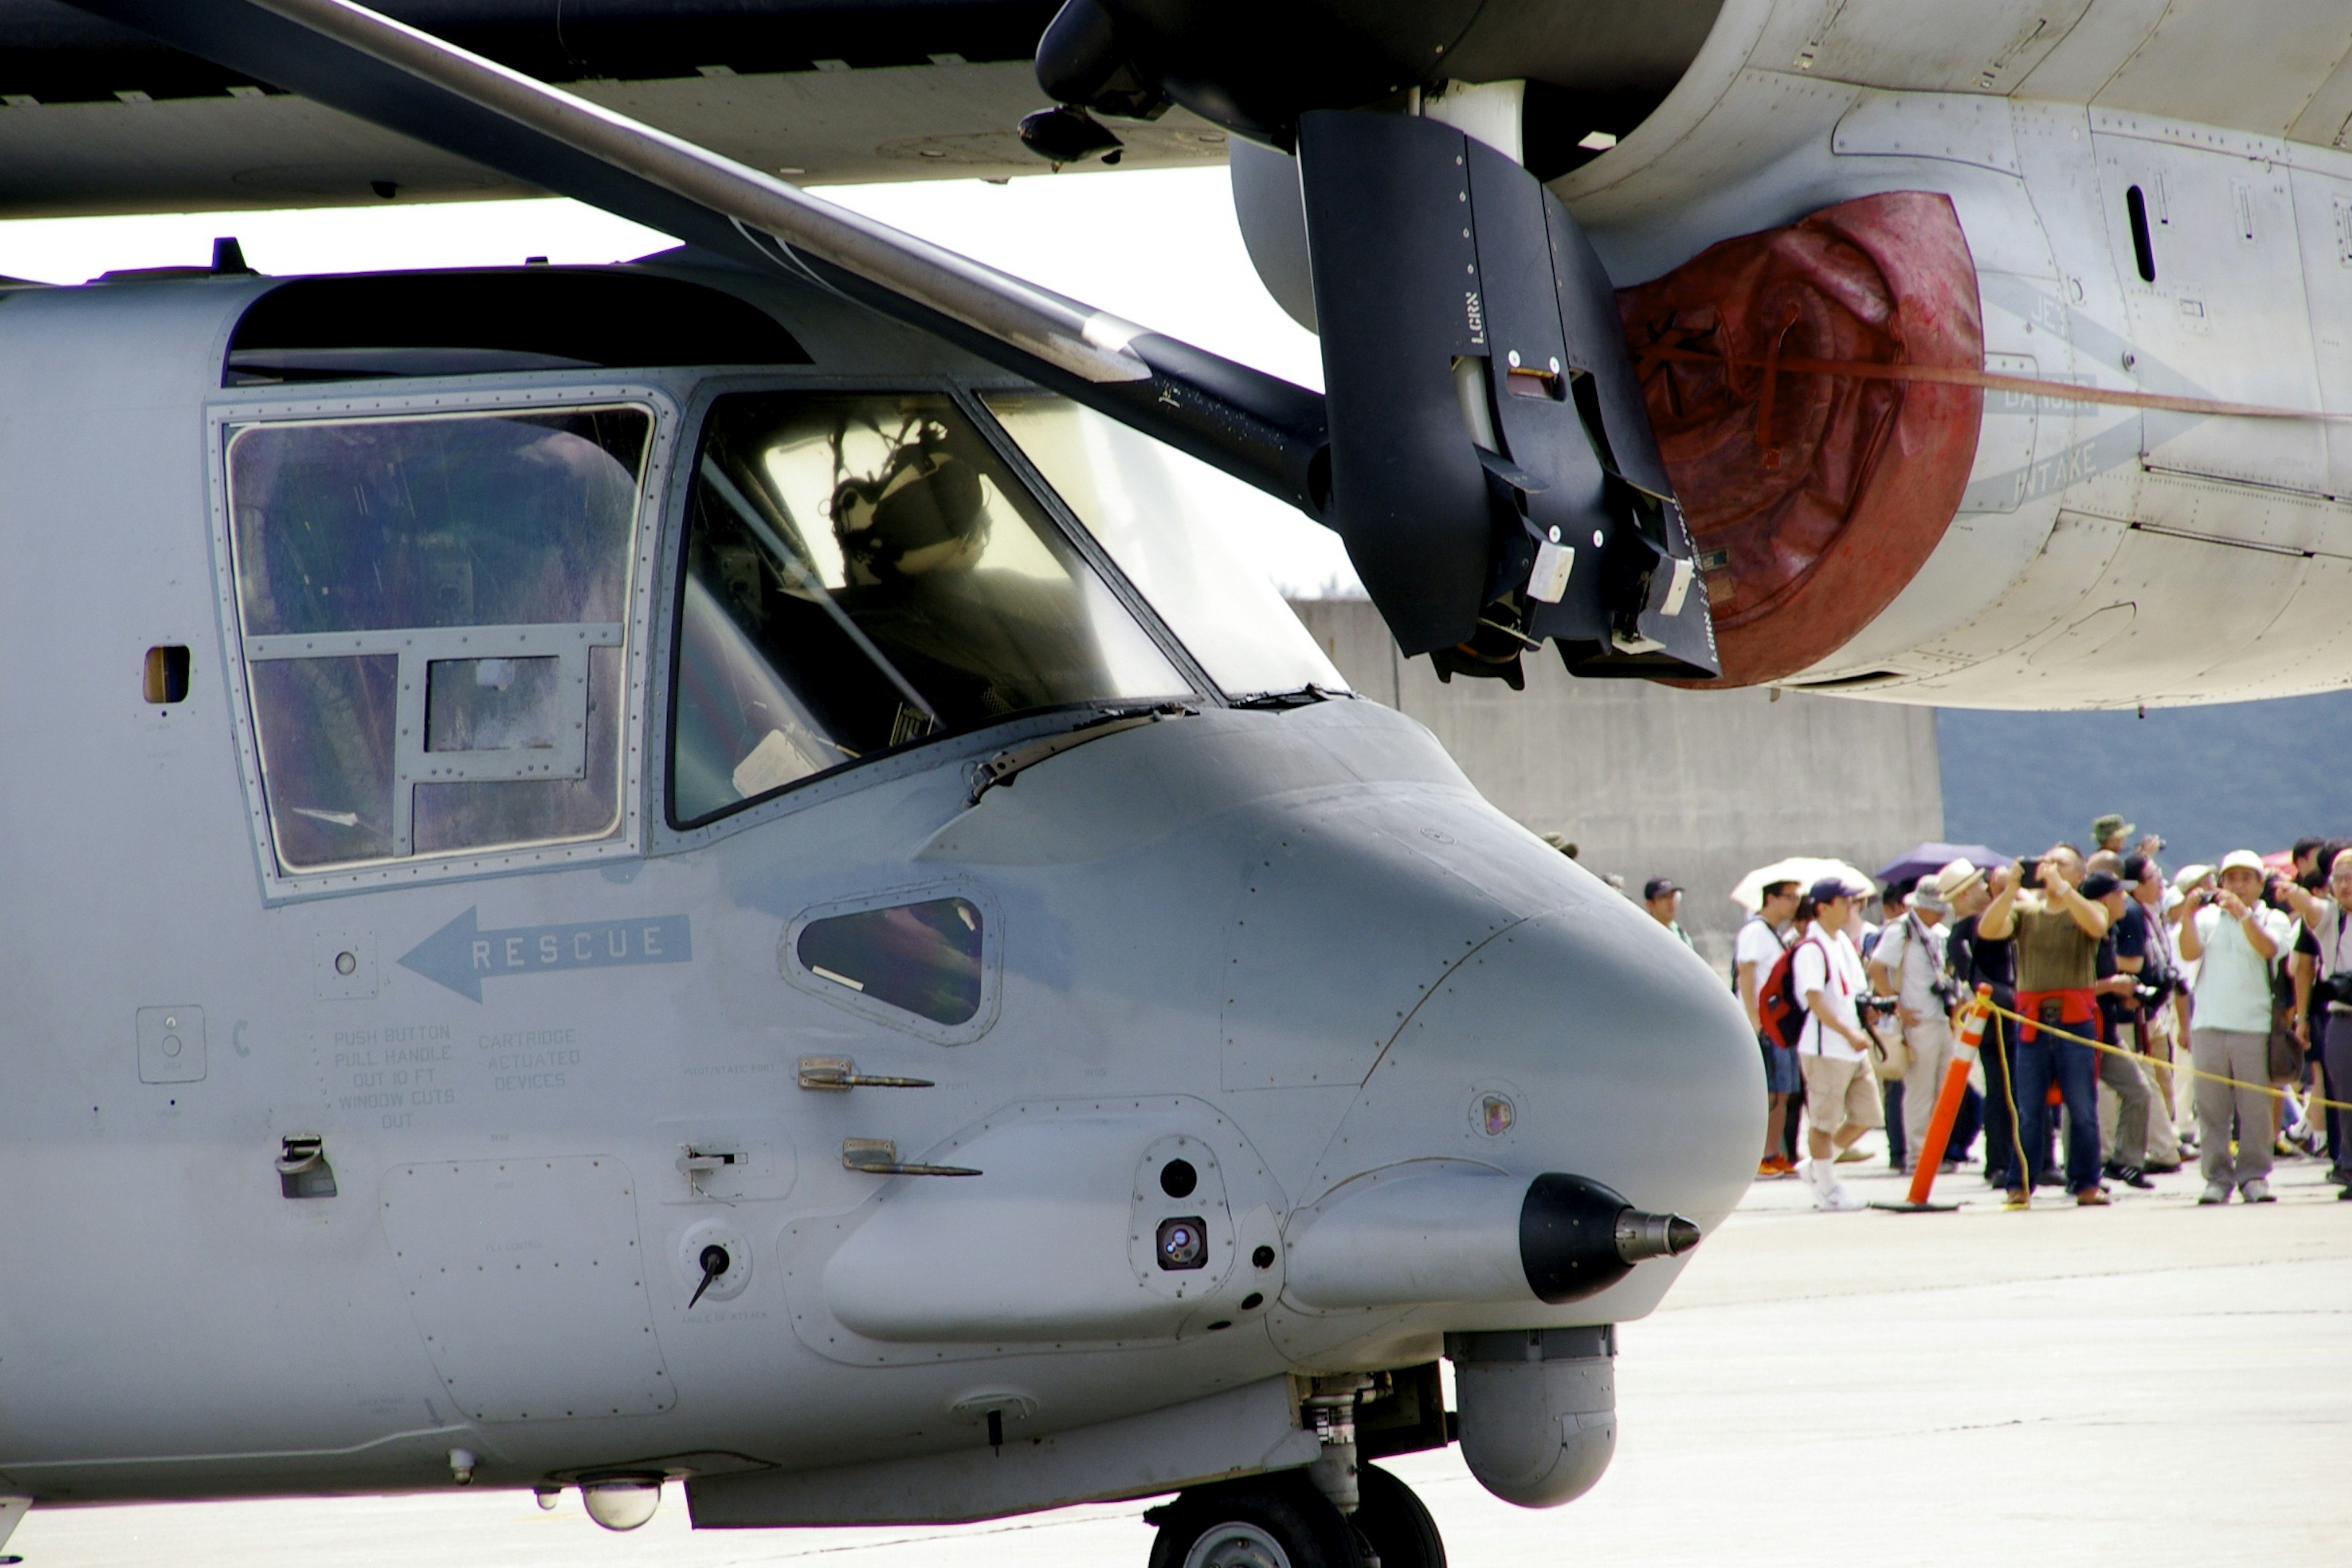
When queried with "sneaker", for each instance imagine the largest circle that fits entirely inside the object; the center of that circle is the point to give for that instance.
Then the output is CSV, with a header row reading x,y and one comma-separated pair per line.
x,y
2257,1191
2132,1176
2017,1198
2092,1198
1948,1166
1850,1157
2215,1192
2345,1196
1838,1199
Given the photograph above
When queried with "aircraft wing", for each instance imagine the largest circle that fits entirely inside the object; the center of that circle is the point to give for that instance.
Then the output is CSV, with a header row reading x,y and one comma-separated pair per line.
x,y
97,118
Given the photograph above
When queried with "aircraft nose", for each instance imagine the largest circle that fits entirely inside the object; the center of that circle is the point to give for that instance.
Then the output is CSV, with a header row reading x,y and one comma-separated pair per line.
x,y
1584,1039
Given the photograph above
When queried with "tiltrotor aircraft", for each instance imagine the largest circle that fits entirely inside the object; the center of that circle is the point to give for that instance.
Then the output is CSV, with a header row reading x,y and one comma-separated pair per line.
x,y
701,871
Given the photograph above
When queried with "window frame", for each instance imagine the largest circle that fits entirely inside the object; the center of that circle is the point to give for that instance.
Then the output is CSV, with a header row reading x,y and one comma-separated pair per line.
x,y
920,755
227,415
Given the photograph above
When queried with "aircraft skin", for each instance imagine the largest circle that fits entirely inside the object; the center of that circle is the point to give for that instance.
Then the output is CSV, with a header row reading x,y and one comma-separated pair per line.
x,y
1288,941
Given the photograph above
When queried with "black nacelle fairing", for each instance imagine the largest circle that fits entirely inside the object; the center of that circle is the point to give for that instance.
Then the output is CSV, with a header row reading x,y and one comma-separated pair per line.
x,y
1493,471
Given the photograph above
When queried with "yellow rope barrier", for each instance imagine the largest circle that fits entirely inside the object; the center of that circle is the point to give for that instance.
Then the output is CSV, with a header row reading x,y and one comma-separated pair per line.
x,y
2273,1090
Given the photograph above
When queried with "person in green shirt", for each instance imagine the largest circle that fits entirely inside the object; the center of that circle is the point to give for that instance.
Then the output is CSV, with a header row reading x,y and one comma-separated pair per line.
x,y
2057,932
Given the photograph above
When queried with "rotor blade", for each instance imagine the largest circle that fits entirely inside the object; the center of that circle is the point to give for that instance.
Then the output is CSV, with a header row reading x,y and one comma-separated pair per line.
x,y
1256,426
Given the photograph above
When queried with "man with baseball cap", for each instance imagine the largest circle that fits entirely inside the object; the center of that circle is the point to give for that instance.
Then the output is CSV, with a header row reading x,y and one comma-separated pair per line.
x,y
1840,1090
2233,938
1663,897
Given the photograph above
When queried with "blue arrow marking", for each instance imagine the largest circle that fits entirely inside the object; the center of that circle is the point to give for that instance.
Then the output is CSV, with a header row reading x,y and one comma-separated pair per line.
x,y
461,956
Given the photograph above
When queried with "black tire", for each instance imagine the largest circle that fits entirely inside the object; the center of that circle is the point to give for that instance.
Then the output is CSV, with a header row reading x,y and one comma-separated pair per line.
x,y
1393,1522
1266,1521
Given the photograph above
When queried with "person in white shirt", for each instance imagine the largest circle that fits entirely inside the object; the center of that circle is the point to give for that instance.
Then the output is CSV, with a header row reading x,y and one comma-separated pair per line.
x,y
1840,1090
1908,964
2233,939
1763,938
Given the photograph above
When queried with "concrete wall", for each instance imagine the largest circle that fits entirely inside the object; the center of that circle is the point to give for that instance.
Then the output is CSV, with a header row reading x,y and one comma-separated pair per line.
x,y
1701,787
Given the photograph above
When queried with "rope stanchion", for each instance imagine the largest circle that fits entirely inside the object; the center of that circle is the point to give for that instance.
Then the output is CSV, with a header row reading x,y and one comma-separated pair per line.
x,y
1929,1156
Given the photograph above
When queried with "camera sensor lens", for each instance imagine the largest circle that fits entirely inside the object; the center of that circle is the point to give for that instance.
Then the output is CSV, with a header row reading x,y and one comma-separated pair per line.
x,y
1177,1178
1182,1243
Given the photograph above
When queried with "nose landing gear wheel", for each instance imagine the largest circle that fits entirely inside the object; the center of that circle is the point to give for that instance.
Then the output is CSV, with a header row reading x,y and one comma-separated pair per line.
x,y
1269,1521
1393,1522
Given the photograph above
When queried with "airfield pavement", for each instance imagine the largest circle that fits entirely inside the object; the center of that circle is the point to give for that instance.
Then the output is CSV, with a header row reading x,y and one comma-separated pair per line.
x,y
2150,1382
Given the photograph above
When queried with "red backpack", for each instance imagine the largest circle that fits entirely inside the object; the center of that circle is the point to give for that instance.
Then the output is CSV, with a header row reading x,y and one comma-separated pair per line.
x,y
1778,1008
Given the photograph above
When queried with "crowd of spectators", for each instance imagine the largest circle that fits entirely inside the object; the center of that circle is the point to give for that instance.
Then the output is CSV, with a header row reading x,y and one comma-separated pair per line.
x,y
2106,972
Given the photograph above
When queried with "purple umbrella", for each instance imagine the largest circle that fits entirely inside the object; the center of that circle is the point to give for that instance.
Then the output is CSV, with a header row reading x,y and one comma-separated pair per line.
x,y
1926,859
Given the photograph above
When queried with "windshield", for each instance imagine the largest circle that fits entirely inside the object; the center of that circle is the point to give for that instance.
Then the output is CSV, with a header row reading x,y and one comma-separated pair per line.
x,y
1181,531
862,571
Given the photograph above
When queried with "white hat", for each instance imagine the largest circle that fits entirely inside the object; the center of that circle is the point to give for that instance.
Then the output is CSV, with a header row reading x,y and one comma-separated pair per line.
x,y
1954,877
2244,860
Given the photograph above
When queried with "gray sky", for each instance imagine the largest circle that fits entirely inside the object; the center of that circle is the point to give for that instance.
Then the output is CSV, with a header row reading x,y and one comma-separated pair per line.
x,y
1159,247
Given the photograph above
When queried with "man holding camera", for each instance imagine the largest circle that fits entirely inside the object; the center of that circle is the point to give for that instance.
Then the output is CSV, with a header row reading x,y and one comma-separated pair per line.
x,y
1908,964
2159,1004
2057,932
2124,1098
2233,938
2328,940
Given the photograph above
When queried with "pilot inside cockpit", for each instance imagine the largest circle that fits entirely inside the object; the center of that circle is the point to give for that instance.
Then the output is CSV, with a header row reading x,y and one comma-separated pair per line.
x,y
865,571
925,512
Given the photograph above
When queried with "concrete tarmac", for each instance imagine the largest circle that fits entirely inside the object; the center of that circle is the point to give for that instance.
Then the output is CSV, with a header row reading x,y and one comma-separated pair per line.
x,y
2148,1383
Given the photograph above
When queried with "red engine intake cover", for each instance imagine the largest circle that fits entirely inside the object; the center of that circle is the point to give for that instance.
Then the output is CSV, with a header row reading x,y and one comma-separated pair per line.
x,y
1812,499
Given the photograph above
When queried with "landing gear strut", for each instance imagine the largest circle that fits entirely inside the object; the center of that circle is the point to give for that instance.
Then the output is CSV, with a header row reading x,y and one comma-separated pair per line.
x,y
1283,1522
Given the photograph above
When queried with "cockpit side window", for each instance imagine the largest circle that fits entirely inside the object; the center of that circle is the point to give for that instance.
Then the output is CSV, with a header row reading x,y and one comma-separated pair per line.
x,y
862,572
434,613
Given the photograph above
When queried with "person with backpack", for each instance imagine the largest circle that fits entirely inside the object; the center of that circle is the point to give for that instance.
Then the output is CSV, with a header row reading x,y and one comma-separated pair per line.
x,y
1763,937
1825,976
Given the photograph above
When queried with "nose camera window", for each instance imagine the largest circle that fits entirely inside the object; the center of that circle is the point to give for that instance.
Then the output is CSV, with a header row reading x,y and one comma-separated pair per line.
x,y
922,957
864,571
1184,1243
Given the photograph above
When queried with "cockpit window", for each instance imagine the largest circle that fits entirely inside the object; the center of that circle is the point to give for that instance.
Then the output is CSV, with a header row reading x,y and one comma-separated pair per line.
x,y
862,571
1181,530
434,613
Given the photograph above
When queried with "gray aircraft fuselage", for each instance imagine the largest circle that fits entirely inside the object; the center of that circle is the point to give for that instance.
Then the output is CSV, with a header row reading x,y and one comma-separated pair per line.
x,y
1286,944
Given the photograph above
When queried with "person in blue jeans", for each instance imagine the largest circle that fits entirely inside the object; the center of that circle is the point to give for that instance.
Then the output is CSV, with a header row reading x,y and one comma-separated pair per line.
x,y
2057,931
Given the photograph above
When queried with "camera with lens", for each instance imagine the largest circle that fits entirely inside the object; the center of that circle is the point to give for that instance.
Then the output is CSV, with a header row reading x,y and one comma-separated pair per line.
x,y
2337,989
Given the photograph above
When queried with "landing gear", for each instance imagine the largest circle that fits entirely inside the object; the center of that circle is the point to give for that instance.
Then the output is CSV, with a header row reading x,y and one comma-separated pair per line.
x,y
1393,1523
1282,1521
1267,1522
